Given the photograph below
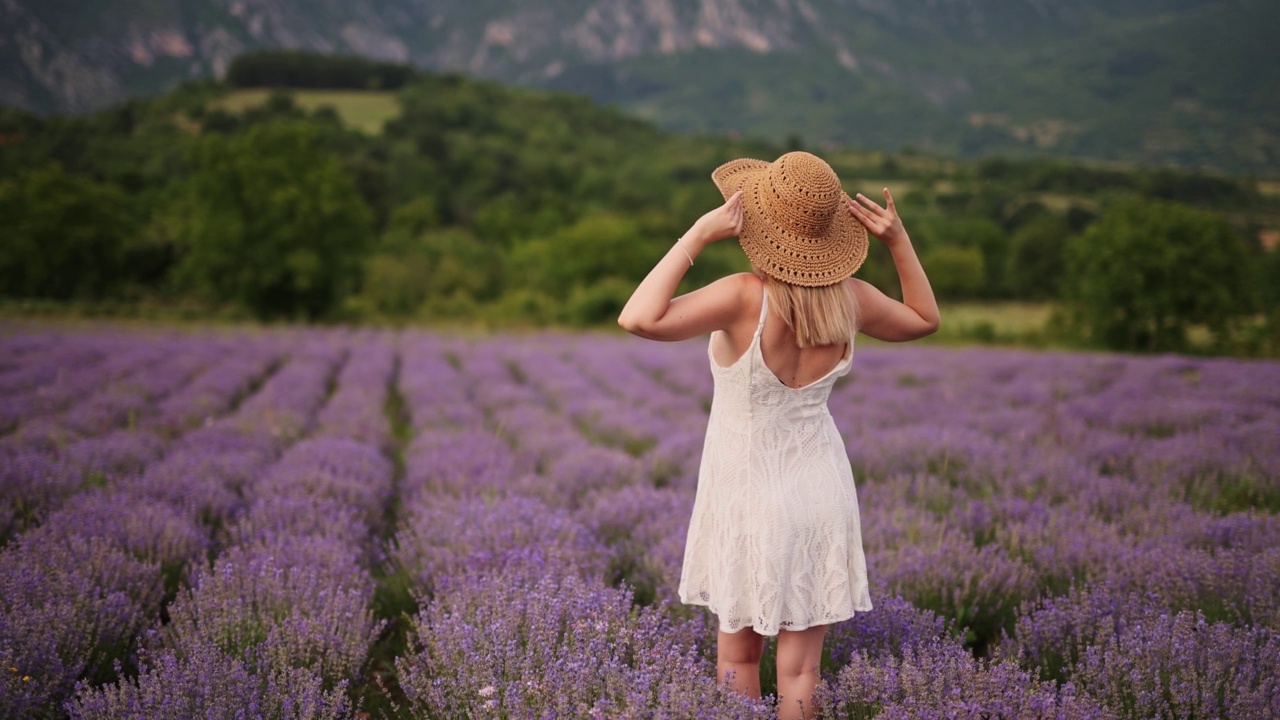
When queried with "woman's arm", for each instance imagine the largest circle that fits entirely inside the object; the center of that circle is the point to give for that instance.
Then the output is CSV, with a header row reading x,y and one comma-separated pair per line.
x,y
880,316
653,313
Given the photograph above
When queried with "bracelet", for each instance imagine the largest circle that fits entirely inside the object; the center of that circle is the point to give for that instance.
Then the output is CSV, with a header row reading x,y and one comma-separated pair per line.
x,y
686,252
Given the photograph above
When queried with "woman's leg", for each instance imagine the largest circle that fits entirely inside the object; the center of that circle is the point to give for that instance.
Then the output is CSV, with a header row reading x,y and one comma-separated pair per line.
x,y
799,655
739,653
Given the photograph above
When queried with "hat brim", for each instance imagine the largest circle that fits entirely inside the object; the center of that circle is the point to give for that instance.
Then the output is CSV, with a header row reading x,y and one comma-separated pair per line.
x,y
780,252
730,176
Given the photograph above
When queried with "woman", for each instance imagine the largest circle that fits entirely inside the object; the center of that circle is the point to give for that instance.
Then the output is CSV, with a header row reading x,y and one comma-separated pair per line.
x,y
774,544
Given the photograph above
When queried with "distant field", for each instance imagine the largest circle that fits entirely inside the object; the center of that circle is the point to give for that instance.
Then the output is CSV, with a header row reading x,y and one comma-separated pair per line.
x,y
363,110
1003,322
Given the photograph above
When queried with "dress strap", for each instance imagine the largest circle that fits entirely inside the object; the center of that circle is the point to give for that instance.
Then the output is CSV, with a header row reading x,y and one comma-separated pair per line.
x,y
764,312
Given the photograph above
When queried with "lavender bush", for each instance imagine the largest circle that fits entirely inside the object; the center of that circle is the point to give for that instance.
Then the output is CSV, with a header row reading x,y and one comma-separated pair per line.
x,y
203,682
69,608
280,607
1141,660
943,681
532,642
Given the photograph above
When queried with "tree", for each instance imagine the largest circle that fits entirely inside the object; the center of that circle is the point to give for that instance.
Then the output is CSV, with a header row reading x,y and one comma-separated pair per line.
x,y
596,247
955,272
64,236
1267,273
1146,271
970,232
411,273
1035,262
271,222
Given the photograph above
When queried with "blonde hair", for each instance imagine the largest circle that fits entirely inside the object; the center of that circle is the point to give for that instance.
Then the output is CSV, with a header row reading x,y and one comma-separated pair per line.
x,y
818,316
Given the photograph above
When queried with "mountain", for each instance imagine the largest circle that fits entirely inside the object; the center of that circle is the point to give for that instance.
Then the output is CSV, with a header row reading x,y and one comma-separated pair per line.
x,y
1187,82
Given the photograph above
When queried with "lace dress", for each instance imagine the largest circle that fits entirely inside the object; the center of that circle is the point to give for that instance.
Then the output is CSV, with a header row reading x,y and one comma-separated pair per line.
x,y
775,541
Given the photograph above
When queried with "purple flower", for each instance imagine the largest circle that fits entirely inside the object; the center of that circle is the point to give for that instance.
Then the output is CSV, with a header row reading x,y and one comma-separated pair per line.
x,y
944,681
446,537
1133,655
291,606
200,681
69,608
530,641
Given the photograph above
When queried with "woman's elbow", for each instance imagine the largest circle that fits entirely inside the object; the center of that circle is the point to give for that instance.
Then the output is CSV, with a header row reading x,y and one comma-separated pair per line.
x,y
923,329
631,324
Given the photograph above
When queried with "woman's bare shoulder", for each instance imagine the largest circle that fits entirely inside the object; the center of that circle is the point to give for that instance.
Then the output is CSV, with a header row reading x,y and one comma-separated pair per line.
x,y
861,286
750,291
747,281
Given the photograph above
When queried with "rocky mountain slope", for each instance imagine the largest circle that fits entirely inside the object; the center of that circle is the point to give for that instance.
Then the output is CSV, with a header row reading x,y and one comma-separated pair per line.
x,y
1184,81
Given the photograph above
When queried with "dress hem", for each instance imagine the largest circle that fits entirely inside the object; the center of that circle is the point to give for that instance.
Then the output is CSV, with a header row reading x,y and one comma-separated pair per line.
x,y
723,628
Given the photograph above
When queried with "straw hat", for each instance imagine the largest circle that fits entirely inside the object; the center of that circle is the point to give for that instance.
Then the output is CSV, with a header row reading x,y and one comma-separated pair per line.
x,y
795,226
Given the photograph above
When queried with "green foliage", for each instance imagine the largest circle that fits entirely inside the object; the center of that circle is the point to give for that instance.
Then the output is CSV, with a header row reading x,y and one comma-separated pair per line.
x,y
879,270
596,247
1264,338
270,222
1035,261
65,236
955,272
429,272
599,303
991,241
1147,271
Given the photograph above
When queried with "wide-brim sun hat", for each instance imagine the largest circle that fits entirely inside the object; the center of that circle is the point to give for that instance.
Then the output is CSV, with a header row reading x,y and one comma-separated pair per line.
x,y
795,225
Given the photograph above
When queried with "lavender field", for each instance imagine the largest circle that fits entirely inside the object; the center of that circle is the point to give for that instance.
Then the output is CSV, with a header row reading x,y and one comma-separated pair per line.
x,y
296,523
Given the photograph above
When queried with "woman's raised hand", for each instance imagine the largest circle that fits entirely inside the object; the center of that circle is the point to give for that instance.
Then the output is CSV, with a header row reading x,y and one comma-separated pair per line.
x,y
723,222
883,222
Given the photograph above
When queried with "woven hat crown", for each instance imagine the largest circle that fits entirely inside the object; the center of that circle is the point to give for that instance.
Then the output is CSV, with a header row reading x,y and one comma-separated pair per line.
x,y
804,194
794,225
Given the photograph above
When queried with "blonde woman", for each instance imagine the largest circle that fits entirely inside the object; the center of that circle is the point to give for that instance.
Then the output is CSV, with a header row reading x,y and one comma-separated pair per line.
x,y
774,544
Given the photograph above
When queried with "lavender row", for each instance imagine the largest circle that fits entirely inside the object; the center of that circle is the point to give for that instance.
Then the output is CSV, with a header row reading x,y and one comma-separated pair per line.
x,y
1113,654
619,408
127,402
285,609
44,374
164,517
356,411
285,408
87,399
81,585
38,480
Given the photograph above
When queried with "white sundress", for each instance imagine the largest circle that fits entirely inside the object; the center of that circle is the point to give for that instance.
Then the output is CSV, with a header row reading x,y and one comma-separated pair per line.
x,y
775,541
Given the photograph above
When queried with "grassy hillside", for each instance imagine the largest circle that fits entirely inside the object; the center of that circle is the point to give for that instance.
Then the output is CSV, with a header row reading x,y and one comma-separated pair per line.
x,y
363,110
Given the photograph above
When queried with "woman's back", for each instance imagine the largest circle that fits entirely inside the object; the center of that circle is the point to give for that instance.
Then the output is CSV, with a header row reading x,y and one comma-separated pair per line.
x,y
791,364
794,366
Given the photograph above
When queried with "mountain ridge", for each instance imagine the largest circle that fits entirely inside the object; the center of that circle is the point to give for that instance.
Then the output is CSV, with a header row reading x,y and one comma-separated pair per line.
x,y
1121,80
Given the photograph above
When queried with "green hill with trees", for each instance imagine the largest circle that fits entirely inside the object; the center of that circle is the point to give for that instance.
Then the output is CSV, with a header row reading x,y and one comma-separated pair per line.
x,y
480,203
